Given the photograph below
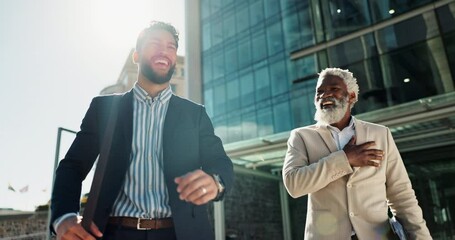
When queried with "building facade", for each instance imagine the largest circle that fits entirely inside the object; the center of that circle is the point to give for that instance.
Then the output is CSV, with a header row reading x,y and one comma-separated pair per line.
x,y
258,62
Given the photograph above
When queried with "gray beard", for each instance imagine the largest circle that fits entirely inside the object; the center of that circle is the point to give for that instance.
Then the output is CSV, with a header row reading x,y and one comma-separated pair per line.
x,y
331,115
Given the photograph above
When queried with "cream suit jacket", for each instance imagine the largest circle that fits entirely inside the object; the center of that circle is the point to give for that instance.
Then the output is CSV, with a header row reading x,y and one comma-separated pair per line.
x,y
342,198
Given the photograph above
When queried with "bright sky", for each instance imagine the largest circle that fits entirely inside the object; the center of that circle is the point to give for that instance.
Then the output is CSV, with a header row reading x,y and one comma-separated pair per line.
x,y
55,56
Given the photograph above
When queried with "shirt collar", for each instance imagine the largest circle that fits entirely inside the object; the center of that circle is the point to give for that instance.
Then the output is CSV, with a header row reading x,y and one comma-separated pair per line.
x,y
350,126
141,95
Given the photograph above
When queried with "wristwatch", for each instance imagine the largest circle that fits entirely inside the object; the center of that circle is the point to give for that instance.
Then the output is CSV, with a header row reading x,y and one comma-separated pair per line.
x,y
220,185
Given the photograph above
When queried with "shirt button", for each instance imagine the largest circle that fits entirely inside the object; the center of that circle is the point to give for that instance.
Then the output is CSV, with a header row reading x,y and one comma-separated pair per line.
x,y
351,214
349,185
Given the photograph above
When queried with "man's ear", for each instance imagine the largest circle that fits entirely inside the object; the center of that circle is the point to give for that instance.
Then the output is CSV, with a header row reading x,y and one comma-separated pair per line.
x,y
135,57
352,97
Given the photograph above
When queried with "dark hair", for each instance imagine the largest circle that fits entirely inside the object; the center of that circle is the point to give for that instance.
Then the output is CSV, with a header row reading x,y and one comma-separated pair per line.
x,y
157,25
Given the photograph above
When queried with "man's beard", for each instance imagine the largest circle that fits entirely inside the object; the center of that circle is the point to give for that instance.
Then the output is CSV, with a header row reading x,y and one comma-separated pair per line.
x,y
153,76
333,114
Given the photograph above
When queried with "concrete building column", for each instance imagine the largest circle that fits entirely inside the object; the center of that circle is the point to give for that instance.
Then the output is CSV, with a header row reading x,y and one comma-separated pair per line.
x,y
285,212
193,59
218,212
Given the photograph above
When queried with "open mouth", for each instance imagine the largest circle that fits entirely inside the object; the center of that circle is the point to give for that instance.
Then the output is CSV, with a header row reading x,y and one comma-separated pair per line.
x,y
161,62
327,104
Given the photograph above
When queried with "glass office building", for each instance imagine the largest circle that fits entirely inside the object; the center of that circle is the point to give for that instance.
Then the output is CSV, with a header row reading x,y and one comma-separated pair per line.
x,y
259,63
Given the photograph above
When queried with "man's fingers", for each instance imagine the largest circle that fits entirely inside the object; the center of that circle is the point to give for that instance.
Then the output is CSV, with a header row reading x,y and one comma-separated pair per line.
x,y
77,232
367,144
201,195
186,179
94,229
196,187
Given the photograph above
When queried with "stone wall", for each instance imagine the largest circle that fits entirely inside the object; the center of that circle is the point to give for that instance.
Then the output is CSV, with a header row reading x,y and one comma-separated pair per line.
x,y
253,209
30,226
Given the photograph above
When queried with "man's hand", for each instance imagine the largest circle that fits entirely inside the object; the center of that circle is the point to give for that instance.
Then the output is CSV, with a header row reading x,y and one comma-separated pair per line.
x,y
363,155
71,228
196,187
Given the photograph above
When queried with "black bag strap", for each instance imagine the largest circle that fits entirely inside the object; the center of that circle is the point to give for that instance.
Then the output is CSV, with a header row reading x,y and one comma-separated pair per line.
x,y
92,201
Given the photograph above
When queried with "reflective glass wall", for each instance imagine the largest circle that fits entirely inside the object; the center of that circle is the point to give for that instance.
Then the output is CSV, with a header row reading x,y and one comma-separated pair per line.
x,y
399,51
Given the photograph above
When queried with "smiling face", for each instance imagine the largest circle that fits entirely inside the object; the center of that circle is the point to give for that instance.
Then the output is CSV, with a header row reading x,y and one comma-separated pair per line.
x,y
157,56
332,101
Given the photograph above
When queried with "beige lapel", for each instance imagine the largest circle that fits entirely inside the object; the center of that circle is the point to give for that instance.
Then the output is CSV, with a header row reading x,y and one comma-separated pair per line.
x,y
326,136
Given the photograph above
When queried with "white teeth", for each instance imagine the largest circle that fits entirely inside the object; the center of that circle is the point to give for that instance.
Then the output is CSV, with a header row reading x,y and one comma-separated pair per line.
x,y
327,103
161,61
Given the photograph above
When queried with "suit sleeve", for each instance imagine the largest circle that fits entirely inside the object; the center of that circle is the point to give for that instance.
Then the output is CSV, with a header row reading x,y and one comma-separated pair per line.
x,y
213,157
401,196
301,177
73,169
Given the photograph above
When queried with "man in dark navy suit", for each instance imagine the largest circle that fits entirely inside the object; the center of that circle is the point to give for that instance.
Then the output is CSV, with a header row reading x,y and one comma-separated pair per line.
x,y
165,163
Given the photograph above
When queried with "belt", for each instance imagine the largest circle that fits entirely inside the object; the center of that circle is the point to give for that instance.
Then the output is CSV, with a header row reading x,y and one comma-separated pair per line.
x,y
141,223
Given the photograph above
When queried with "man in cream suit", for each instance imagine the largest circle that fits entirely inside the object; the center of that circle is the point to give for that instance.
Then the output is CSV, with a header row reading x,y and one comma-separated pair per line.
x,y
350,169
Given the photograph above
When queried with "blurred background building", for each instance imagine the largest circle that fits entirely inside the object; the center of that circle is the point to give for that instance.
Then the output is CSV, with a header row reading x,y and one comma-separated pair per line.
x,y
254,65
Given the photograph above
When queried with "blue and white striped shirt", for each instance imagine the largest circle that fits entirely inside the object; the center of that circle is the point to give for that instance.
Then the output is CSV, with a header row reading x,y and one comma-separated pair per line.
x,y
144,193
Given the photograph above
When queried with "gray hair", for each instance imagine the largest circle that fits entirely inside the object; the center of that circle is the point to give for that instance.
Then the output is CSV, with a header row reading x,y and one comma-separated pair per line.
x,y
346,75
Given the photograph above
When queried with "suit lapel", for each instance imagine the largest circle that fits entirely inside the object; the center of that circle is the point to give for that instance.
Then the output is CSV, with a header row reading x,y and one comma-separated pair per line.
x,y
360,132
126,118
326,136
170,121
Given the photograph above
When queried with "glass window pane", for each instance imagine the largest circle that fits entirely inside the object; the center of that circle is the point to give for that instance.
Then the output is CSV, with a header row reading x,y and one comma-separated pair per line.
x,y
306,27
256,13
220,100
385,9
265,122
281,116
247,89
244,53
206,35
229,25
412,73
220,128
234,130
291,32
352,51
259,46
249,129
208,101
215,5
272,7
405,33
261,76
243,19
302,103
279,78
218,65
205,8
217,33
305,66
450,51
342,17
207,60
446,16
274,37
233,95
231,58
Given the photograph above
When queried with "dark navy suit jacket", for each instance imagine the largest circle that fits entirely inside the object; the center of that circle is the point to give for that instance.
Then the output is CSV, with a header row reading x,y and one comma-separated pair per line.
x,y
189,144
